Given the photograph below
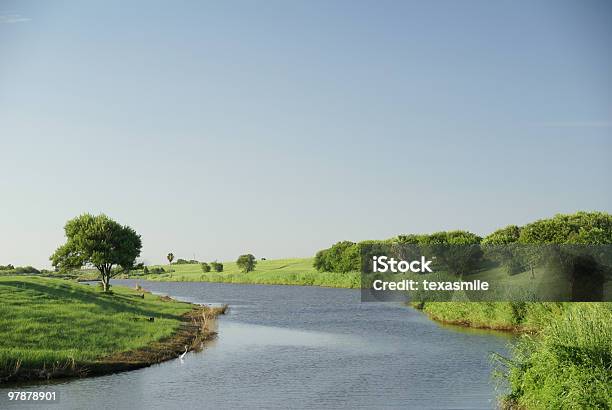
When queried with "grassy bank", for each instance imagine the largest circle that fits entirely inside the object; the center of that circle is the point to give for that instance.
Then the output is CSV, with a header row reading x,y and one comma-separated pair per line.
x,y
567,365
563,361
296,271
516,316
53,327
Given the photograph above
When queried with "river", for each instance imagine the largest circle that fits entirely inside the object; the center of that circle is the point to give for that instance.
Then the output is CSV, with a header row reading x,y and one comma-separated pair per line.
x,y
301,347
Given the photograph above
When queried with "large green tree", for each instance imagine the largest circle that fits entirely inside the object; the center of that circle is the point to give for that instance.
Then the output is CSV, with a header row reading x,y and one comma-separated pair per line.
x,y
98,241
246,263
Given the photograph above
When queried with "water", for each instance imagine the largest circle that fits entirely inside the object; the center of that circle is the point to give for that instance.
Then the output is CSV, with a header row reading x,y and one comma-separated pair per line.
x,y
300,347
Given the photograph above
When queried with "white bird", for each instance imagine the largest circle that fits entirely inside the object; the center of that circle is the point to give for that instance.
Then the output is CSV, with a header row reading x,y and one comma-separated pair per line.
x,y
183,355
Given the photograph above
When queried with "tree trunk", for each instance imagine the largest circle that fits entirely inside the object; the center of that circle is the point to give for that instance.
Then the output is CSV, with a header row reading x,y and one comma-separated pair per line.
x,y
105,274
105,280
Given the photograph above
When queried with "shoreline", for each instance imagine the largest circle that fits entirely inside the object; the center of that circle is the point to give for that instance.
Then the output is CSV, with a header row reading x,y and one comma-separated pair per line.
x,y
514,329
194,331
230,283
463,320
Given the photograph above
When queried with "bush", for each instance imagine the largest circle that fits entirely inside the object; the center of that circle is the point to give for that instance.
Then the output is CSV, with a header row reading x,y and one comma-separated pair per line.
x,y
246,263
7,267
180,261
25,269
205,267
341,257
217,266
320,261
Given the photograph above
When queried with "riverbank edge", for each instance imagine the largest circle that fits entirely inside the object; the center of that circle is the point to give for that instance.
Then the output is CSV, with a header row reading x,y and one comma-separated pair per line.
x,y
194,332
515,329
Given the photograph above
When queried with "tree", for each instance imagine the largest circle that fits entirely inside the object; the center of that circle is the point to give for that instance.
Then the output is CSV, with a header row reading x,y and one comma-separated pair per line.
x,y
504,236
458,252
170,258
501,246
98,241
320,262
205,267
342,257
573,242
246,263
217,266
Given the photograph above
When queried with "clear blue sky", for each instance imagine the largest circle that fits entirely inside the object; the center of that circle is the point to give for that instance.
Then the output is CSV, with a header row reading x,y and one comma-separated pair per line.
x,y
281,127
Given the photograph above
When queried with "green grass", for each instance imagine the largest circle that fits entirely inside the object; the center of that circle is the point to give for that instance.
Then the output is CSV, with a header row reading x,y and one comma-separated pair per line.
x,y
517,316
568,365
296,271
45,322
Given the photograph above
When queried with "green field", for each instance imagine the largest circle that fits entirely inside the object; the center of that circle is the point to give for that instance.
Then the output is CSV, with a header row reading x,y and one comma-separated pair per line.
x,y
295,271
52,322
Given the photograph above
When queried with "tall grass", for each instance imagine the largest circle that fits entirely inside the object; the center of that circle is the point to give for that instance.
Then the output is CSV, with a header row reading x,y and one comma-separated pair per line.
x,y
568,365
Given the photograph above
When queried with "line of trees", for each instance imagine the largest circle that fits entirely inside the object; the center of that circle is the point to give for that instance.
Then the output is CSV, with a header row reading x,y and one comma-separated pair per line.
x,y
19,269
348,256
573,244
468,250
216,266
112,248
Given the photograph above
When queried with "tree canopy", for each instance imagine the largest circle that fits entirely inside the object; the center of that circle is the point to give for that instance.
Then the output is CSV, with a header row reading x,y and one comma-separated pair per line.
x,y
97,241
246,262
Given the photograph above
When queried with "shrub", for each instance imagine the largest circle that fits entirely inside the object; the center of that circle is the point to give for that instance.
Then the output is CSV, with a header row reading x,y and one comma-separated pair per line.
x,y
341,257
205,267
180,261
26,269
246,263
216,266
320,262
